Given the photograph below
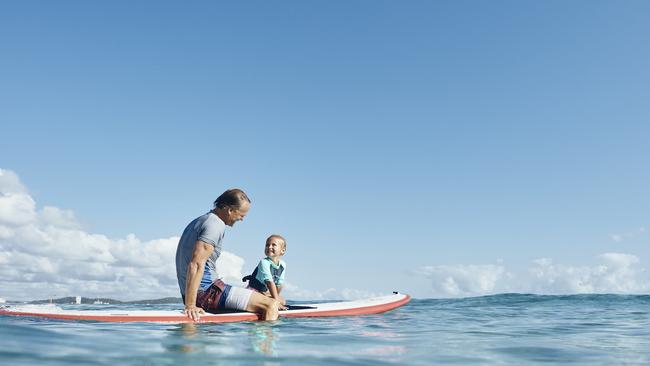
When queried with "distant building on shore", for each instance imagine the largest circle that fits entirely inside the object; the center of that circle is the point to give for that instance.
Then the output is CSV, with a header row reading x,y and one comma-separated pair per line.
x,y
77,300
2,300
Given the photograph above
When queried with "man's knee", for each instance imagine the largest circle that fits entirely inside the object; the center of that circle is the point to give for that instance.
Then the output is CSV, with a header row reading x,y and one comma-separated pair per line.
x,y
273,305
272,310
261,303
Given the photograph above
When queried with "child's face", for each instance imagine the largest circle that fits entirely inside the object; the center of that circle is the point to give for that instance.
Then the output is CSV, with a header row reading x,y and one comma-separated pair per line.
x,y
274,247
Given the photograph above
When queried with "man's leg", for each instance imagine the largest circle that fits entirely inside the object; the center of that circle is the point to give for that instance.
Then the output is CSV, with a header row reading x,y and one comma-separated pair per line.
x,y
264,305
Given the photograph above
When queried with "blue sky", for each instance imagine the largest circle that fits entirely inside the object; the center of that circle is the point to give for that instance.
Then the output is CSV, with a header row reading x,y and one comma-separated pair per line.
x,y
397,145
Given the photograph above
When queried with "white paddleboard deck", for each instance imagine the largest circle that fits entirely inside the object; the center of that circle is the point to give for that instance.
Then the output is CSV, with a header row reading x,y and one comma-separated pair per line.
x,y
346,308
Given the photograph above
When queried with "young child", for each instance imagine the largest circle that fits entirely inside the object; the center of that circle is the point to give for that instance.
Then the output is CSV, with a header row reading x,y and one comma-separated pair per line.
x,y
269,274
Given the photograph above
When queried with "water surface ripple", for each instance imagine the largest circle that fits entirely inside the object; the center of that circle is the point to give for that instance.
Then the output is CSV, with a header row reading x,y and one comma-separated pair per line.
x,y
508,329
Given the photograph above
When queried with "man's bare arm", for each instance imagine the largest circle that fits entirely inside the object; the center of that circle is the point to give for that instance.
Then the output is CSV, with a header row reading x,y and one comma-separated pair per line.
x,y
195,270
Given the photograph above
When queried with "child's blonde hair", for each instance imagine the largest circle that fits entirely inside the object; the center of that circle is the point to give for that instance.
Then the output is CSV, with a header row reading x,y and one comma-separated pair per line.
x,y
284,241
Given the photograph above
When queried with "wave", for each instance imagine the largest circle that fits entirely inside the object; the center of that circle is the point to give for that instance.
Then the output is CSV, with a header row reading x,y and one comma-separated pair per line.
x,y
531,298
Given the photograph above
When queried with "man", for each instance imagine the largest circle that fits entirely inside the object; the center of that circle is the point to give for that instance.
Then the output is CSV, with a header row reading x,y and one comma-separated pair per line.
x,y
196,255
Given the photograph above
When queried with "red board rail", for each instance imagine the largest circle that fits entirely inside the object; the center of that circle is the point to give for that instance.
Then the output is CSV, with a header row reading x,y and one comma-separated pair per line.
x,y
369,306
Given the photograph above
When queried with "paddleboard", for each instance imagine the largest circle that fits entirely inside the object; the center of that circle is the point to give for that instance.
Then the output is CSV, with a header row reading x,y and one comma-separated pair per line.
x,y
374,305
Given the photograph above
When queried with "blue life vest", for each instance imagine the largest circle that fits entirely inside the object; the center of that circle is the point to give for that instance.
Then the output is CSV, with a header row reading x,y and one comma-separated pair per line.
x,y
259,285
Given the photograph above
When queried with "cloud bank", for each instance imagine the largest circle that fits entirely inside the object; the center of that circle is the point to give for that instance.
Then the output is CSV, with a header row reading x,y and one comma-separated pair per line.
x,y
616,273
45,252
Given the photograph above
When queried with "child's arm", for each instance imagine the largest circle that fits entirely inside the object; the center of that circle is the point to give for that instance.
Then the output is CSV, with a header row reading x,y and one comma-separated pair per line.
x,y
275,293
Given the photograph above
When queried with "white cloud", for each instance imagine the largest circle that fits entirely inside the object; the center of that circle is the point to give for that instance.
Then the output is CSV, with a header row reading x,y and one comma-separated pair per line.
x,y
619,260
631,234
10,183
466,280
614,273
230,268
5,232
46,253
617,273
59,218
16,208
16,205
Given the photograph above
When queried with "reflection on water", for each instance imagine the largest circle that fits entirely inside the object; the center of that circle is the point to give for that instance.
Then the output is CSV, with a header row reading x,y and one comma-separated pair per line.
x,y
189,333
186,338
263,338
221,339
189,330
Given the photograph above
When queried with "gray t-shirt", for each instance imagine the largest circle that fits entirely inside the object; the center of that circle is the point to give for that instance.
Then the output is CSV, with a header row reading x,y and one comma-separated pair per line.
x,y
210,229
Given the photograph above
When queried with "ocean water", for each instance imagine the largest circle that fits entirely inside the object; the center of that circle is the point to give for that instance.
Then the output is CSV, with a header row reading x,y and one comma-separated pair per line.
x,y
507,329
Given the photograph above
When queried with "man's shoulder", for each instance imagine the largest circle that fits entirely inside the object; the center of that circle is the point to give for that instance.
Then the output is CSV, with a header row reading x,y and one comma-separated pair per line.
x,y
212,220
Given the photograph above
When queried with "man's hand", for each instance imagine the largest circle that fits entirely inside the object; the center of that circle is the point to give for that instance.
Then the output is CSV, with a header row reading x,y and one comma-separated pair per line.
x,y
193,312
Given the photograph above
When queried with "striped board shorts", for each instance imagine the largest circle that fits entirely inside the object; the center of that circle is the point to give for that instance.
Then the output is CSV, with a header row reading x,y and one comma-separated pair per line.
x,y
219,297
